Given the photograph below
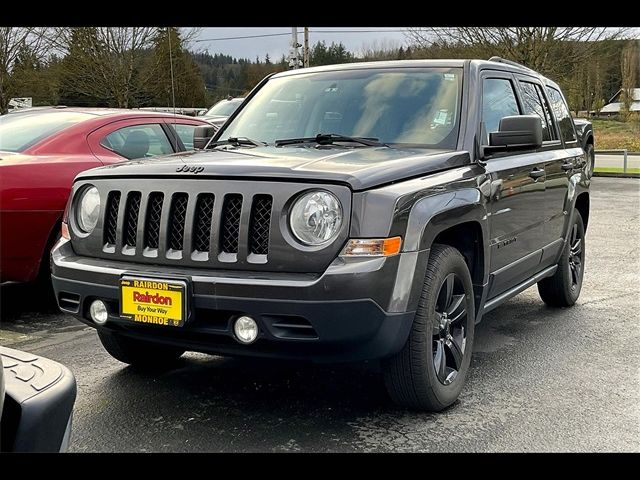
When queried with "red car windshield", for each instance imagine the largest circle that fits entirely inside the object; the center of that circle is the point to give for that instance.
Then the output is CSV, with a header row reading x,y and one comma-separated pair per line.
x,y
19,131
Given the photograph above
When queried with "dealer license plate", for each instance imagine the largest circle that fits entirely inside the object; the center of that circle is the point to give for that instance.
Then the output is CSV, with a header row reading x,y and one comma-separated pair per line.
x,y
153,301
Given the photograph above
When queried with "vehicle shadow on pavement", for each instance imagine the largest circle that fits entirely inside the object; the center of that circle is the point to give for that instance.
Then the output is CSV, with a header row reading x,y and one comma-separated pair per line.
x,y
20,300
236,404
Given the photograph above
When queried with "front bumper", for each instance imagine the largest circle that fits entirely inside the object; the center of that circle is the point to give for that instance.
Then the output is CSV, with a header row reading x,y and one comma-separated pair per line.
x,y
355,310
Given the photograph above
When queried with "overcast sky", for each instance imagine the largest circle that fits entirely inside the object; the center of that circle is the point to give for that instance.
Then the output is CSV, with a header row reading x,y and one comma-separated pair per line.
x,y
276,46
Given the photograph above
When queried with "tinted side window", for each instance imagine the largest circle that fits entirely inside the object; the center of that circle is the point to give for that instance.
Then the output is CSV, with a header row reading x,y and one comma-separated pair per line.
x,y
185,132
498,100
532,105
561,112
138,141
547,112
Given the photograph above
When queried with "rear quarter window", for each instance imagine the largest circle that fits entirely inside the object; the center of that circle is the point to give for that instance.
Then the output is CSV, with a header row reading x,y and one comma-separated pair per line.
x,y
562,115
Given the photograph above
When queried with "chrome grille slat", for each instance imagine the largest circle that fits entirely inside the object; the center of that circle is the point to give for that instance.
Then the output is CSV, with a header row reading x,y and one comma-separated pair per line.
x,y
216,222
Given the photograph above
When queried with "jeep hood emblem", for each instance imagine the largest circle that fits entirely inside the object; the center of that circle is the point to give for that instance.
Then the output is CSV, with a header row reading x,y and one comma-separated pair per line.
x,y
188,169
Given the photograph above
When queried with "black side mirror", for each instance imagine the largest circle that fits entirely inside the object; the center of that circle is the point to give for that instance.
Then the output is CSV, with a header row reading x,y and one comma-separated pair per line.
x,y
202,135
518,132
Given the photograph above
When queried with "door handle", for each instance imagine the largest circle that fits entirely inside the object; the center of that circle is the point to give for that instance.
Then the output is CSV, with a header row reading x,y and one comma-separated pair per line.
x,y
567,166
536,173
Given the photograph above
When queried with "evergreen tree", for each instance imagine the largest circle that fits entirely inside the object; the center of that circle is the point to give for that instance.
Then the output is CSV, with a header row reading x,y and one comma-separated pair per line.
x,y
76,69
32,78
169,57
335,53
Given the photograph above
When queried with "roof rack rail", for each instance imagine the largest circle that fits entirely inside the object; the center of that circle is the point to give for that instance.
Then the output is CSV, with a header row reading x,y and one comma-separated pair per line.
x,y
509,62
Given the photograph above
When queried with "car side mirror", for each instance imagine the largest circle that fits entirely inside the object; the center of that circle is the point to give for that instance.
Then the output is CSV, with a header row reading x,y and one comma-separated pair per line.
x,y
202,135
517,132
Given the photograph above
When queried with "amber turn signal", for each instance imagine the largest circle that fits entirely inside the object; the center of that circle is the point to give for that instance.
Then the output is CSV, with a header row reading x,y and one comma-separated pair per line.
x,y
372,247
64,231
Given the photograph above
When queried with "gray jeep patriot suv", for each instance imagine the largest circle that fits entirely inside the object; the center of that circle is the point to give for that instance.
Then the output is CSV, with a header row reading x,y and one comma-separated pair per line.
x,y
343,213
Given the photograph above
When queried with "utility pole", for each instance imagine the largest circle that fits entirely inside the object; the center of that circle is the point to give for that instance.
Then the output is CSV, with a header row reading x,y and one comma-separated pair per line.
x,y
305,56
294,53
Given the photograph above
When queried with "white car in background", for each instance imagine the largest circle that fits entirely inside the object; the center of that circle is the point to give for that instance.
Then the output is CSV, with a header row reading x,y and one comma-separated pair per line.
x,y
221,111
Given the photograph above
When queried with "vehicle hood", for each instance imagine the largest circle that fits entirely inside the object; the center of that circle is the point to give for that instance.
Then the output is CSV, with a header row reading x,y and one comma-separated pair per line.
x,y
215,118
360,168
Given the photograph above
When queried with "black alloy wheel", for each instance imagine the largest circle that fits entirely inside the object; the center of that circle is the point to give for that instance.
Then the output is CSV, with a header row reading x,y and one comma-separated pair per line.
x,y
450,330
562,289
576,257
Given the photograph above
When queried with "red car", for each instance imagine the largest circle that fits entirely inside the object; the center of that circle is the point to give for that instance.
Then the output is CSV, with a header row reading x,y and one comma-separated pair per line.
x,y
41,151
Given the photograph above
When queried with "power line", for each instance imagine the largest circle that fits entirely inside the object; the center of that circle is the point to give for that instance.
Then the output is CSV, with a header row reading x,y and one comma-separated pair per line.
x,y
242,37
357,31
289,33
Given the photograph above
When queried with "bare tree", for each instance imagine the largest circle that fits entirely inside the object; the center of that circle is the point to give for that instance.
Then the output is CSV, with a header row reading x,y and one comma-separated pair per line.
x,y
12,39
629,65
189,36
101,62
539,48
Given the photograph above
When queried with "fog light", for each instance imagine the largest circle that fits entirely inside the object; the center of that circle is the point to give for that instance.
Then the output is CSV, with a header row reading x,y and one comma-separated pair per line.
x,y
98,312
246,330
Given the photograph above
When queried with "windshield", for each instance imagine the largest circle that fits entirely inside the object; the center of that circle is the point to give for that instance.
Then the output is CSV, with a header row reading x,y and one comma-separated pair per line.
x,y
417,106
224,107
19,131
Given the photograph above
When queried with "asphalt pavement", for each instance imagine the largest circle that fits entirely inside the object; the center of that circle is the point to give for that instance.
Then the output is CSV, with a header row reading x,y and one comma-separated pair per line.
x,y
541,379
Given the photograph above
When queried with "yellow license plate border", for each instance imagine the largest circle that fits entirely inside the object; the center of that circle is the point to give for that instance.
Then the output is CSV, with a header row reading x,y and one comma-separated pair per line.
x,y
176,282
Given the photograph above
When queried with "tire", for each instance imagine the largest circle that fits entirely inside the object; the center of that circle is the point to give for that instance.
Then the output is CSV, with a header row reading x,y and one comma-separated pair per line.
x,y
590,155
563,288
410,375
138,353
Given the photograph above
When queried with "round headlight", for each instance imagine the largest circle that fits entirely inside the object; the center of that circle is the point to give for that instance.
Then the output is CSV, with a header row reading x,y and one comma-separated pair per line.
x,y
316,218
88,210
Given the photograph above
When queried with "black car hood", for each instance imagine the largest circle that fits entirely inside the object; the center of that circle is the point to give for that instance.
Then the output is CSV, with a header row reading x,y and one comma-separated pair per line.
x,y
360,168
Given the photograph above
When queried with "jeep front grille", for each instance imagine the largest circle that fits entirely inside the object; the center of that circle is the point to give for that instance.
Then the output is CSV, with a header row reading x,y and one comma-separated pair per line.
x,y
187,217
205,223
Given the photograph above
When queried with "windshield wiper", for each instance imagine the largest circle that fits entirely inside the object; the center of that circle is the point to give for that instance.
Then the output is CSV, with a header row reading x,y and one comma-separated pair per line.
x,y
237,142
330,138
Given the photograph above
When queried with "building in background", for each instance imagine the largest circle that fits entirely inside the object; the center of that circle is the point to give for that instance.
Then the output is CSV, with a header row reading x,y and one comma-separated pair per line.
x,y
615,105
